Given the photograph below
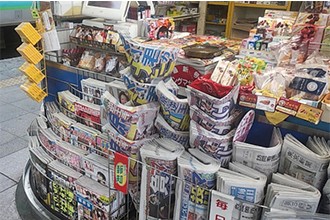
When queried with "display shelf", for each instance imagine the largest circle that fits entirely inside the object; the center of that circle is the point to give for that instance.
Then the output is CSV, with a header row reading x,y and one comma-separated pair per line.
x,y
218,3
270,6
100,48
185,17
215,23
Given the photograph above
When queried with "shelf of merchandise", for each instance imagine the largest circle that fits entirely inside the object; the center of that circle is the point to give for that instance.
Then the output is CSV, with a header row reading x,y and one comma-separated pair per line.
x,y
215,23
218,3
270,6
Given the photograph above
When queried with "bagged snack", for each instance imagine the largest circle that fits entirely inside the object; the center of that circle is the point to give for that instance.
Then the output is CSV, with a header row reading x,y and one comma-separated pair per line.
x,y
87,60
157,186
217,146
196,172
99,62
215,126
174,110
134,123
216,108
167,131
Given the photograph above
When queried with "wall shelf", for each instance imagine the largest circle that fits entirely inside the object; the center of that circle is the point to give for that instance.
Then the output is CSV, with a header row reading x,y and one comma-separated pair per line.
x,y
215,23
281,7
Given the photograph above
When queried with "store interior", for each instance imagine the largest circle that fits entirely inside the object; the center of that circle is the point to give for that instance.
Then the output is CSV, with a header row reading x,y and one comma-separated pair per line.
x,y
199,110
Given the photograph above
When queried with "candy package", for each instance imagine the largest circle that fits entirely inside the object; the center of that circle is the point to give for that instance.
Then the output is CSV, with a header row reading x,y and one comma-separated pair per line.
x,y
134,123
174,110
217,146
167,131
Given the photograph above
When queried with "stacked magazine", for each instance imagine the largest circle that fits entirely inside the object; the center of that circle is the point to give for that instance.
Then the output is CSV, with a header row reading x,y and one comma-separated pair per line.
x,y
88,114
307,163
245,184
83,137
67,101
61,126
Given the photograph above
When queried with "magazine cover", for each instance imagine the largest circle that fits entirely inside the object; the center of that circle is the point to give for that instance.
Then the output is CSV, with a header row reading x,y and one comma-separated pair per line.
x,y
92,90
196,172
217,146
102,147
67,101
48,140
83,137
174,109
134,123
61,126
157,184
89,114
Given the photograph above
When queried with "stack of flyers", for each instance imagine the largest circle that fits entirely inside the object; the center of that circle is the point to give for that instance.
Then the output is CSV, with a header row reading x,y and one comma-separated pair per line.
x,y
83,137
196,173
217,146
96,167
67,101
61,126
48,140
182,137
70,155
245,184
215,126
92,90
175,110
159,158
134,123
88,114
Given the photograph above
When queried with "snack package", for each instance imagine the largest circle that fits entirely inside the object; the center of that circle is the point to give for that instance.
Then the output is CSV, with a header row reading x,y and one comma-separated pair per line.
x,y
217,146
87,60
174,110
215,126
134,123
159,158
111,65
99,62
216,108
197,176
167,131
247,67
139,93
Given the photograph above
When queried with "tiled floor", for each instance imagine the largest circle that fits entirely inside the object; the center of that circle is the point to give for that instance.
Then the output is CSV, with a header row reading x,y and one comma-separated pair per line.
x,y
17,111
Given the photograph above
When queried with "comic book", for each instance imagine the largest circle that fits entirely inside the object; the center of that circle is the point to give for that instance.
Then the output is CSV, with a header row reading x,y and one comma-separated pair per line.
x,y
62,188
92,90
67,101
83,137
159,158
196,173
88,114
134,123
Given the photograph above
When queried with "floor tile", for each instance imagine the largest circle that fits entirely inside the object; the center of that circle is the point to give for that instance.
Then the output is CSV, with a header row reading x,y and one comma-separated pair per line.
x,y
28,105
10,89
14,96
3,76
7,203
11,147
5,183
13,164
5,135
12,62
19,125
8,111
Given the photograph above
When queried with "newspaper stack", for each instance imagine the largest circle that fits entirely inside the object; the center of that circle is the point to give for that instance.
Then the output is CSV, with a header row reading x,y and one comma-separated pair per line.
x,y
196,177
288,193
246,185
307,163
159,158
92,90
173,120
325,199
264,159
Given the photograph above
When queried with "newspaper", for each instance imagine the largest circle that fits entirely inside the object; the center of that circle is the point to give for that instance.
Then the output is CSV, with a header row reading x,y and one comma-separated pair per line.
x,y
325,199
307,163
217,146
159,158
245,184
196,172
288,193
264,159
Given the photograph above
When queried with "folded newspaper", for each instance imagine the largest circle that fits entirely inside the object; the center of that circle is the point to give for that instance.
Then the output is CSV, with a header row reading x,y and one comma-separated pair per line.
x,y
159,158
245,184
307,163
325,199
197,176
288,193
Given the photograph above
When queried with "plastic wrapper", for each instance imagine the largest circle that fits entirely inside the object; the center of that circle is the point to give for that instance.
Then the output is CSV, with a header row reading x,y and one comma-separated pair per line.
x,y
159,159
217,146
215,126
111,63
87,60
99,62
174,110
196,172
167,131
134,123
149,62
248,66
216,108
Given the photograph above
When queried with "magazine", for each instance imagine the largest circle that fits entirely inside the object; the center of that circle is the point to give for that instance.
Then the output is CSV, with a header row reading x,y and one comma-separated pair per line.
x,y
196,177
102,147
307,163
167,131
118,90
245,184
159,158
48,140
88,114
83,137
92,90
174,109
67,101
50,109
61,126
134,123
217,146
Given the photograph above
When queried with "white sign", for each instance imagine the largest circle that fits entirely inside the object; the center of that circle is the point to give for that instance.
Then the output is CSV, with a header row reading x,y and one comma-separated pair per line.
x,y
221,207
